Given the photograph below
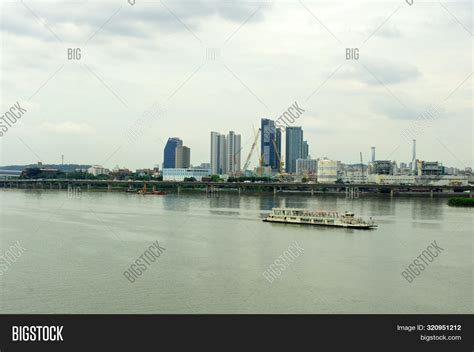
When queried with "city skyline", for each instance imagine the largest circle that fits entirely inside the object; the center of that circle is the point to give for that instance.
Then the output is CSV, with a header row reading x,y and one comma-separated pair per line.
x,y
188,162
85,109
300,160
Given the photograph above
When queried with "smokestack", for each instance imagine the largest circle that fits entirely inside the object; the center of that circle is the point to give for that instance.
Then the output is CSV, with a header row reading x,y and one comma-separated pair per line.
x,y
373,154
413,157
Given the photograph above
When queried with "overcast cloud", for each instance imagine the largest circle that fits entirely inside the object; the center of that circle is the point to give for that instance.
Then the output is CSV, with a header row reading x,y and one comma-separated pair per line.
x,y
221,65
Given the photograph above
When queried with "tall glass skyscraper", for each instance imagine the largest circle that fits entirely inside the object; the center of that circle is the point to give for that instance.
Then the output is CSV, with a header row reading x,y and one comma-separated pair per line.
x,y
270,138
294,147
169,159
305,150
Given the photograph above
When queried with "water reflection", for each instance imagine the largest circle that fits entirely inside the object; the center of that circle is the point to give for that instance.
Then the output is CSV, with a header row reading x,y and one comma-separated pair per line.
x,y
428,208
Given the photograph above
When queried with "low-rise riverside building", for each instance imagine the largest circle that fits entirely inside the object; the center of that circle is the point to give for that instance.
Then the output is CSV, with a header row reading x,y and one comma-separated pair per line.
x,y
328,170
179,174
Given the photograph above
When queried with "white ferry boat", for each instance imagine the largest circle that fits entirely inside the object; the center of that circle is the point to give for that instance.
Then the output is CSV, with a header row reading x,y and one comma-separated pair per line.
x,y
323,218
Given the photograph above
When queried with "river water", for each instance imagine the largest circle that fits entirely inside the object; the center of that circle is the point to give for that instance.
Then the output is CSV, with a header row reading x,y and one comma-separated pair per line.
x,y
216,250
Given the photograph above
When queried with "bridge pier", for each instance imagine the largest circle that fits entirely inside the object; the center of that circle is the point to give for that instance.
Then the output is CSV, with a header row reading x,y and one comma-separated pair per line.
x,y
312,191
59,185
179,188
431,193
109,187
391,193
154,188
240,189
274,190
88,186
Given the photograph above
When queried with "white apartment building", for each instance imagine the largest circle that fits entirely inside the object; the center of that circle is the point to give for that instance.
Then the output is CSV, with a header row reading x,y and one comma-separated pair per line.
x,y
225,153
98,170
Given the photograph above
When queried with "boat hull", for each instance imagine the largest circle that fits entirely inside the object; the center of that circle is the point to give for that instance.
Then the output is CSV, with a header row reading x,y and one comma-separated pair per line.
x,y
344,225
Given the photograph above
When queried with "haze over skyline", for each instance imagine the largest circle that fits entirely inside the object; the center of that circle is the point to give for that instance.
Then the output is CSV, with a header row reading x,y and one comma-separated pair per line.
x,y
219,66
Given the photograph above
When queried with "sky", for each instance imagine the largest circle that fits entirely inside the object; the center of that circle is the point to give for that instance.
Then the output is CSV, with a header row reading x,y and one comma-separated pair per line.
x,y
159,69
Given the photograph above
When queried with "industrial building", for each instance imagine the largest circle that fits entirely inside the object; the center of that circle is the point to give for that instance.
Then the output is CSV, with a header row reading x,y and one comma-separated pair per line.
x,y
306,166
429,168
328,170
381,167
179,174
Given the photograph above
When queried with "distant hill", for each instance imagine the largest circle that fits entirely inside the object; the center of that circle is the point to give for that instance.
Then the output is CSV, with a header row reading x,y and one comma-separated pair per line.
x,y
64,168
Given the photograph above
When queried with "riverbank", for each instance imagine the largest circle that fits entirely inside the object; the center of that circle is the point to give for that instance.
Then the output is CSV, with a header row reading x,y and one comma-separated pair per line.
x,y
74,190
461,202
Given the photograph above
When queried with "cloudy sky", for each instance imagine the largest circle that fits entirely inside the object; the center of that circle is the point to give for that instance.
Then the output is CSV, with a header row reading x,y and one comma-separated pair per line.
x,y
158,69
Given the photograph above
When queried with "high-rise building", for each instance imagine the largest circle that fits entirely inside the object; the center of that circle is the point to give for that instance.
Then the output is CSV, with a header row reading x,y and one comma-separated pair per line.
x,y
373,154
169,159
294,147
233,152
225,153
305,150
183,157
218,162
270,138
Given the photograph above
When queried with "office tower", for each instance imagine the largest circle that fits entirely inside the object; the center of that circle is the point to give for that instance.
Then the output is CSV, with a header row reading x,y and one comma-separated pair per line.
x,y
183,157
373,153
169,159
270,138
305,150
277,153
233,152
294,147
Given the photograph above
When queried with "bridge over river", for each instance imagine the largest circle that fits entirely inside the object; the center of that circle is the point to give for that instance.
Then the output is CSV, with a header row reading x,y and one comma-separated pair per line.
x,y
352,190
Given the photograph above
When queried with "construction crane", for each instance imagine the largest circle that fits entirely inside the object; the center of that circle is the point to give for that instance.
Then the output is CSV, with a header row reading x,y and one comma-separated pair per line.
x,y
278,156
260,158
252,149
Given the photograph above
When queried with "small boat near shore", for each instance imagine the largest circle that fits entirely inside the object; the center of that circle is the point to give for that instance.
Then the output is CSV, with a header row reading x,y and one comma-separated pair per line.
x,y
153,193
143,191
321,218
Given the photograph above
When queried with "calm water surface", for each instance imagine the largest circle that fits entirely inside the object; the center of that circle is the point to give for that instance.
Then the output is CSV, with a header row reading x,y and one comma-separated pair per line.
x,y
217,250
